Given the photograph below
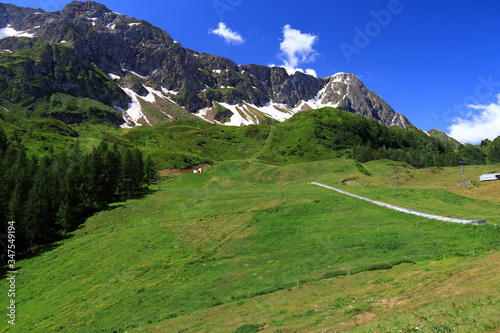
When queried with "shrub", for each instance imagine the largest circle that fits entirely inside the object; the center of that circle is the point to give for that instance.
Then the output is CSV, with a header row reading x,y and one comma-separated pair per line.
x,y
248,328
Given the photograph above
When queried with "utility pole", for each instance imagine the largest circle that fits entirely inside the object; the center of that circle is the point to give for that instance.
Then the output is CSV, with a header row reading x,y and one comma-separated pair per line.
x,y
158,180
126,180
396,177
463,173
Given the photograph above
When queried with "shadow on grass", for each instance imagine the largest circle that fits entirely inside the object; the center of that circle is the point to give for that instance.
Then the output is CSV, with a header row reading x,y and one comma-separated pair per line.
x,y
133,196
4,273
62,236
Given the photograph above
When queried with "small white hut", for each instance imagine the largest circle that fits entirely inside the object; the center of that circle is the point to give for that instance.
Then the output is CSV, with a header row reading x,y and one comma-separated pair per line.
x,y
491,176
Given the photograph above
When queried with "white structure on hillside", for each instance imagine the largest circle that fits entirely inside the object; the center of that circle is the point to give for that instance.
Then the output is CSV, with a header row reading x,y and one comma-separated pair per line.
x,y
492,176
405,210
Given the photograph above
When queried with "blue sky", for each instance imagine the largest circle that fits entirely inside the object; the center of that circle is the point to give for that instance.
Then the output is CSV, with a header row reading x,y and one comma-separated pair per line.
x,y
430,60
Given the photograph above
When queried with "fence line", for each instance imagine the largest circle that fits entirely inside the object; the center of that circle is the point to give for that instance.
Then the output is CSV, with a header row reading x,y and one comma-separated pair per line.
x,y
342,227
405,210
278,226
301,281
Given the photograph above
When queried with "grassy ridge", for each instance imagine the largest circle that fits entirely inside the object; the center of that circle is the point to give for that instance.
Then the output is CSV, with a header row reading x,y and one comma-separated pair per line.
x,y
211,238
308,136
187,142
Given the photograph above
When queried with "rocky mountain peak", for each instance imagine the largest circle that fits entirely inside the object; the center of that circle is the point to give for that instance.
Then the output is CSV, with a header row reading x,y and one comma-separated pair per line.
x,y
10,15
443,137
88,10
84,6
128,62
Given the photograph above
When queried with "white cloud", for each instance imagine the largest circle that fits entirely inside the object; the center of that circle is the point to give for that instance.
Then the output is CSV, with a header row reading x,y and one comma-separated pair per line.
x,y
311,72
297,48
482,125
230,36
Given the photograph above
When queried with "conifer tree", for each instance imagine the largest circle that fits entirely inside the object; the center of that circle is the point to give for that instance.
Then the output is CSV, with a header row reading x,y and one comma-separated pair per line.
x,y
70,210
19,177
40,217
4,186
3,140
138,170
149,171
106,172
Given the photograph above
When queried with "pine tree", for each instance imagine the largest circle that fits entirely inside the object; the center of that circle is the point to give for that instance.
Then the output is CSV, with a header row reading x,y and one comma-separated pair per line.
x,y
106,177
149,171
19,178
94,178
70,210
3,140
4,186
140,179
493,151
41,215
87,171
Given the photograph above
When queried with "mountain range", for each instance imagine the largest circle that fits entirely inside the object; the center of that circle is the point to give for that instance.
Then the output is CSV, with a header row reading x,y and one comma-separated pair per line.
x,y
87,63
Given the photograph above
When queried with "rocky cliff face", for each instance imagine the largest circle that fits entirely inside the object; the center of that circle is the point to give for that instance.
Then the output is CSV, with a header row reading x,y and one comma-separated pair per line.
x,y
346,92
87,50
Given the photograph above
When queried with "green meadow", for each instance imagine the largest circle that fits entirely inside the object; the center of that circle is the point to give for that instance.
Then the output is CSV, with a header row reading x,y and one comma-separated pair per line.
x,y
205,246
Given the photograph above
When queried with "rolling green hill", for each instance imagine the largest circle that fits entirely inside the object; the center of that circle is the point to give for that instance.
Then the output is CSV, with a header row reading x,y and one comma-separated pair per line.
x,y
222,239
308,136
251,226
107,229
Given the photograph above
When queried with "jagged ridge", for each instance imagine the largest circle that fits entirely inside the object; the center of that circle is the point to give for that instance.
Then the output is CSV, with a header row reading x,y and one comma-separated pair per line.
x,y
167,75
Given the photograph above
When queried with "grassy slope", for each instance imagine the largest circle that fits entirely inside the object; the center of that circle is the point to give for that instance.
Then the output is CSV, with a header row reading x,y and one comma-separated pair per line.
x,y
244,227
453,295
188,142
211,238
436,189
40,136
179,144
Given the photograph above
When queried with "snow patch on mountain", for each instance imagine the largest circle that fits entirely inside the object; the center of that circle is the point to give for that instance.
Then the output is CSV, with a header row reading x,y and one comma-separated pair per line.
x,y
134,110
203,114
332,94
11,32
278,111
240,116
113,76
134,113
139,75
169,92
